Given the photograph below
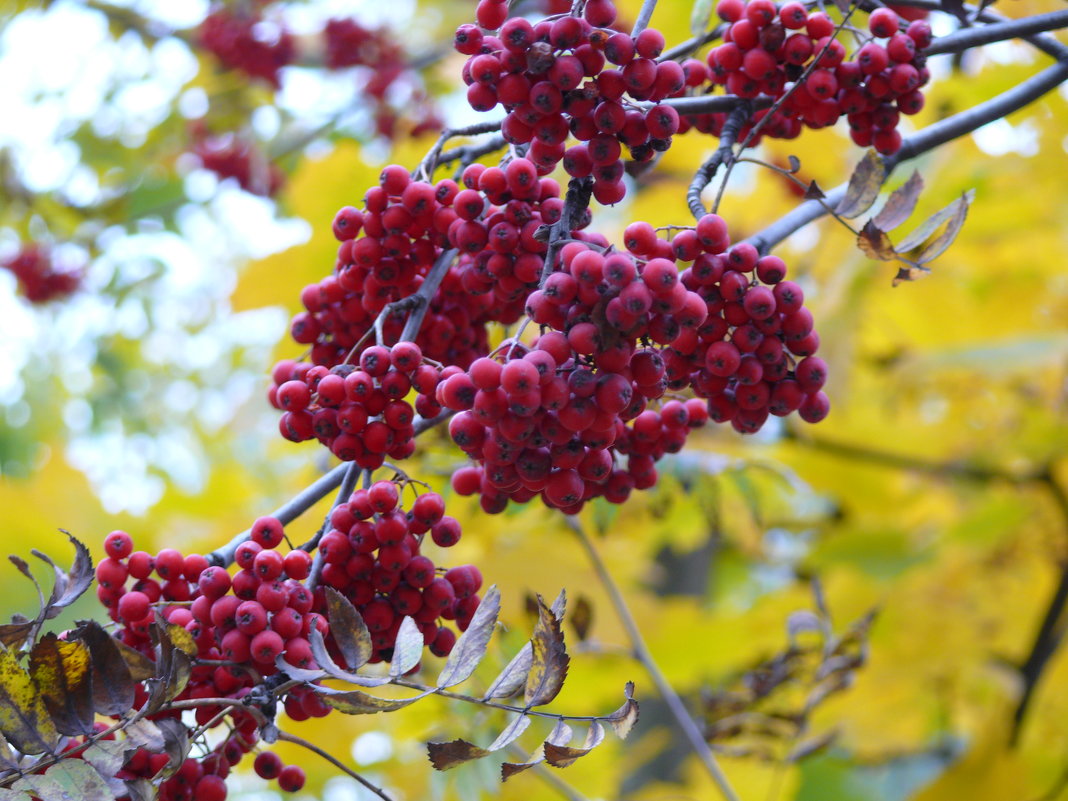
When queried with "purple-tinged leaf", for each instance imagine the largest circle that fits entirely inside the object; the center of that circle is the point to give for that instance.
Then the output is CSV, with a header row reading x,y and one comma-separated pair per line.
x,y
471,647
348,629
900,205
875,243
926,230
624,718
357,702
113,686
70,584
332,669
445,756
561,756
559,736
408,648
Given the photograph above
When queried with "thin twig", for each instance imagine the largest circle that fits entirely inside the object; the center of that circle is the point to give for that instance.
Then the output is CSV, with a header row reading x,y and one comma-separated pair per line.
x,y
425,293
292,738
755,130
686,48
641,651
644,15
426,167
576,201
707,171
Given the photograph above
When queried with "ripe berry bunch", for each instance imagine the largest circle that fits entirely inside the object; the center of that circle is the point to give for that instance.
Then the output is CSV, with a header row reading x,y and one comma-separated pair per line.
x,y
243,42
551,420
372,556
39,279
263,615
766,51
230,156
349,43
551,78
359,412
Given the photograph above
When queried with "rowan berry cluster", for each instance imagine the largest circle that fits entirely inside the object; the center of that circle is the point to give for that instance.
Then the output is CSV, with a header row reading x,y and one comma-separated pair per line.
x,y
551,78
245,42
791,51
230,156
248,626
39,277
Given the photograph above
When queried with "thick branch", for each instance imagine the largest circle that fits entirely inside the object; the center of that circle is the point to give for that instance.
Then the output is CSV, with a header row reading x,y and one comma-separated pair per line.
x,y
997,31
1052,629
929,138
644,655
710,104
425,292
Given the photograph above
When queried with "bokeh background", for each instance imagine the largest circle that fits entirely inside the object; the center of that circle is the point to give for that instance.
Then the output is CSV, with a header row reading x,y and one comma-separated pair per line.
x,y
925,521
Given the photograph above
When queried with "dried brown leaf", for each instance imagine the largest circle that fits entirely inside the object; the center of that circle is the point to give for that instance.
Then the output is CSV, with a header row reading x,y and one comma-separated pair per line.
x,y
549,667
581,617
624,718
60,669
561,756
875,243
113,687
357,702
349,630
24,720
864,185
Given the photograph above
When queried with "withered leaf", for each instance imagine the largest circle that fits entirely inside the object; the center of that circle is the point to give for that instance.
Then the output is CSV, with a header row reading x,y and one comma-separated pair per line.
x,y
108,756
924,234
559,736
875,243
624,718
10,794
176,745
61,672
141,667
813,192
900,204
795,163
181,639
910,272
24,720
322,655
407,649
445,756
349,630
561,756
113,687
357,702
582,617
550,663
514,676
864,185
14,634
471,647
144,734
67,780
173,668
937,245
812,746
70,584
140,790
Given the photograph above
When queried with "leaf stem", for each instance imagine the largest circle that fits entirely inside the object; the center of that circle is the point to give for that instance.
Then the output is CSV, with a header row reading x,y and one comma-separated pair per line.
x,y
292,738
644,655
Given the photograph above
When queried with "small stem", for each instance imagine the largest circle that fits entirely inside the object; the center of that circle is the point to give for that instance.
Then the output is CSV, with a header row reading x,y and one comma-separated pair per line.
x,y
286,513
466,154
470,699
576,201
292,738
644,15
776,106
426,292
709,104
707,171
426,167
684,49
642,653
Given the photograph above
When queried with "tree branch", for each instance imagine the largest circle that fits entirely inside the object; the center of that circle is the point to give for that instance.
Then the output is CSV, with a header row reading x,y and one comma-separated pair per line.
x,y
644,15
429,163
576,201
425,293
996,32
644,656
929,138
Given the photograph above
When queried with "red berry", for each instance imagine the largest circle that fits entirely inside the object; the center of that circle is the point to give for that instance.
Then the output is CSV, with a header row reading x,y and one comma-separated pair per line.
x,y
118,544
291,778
